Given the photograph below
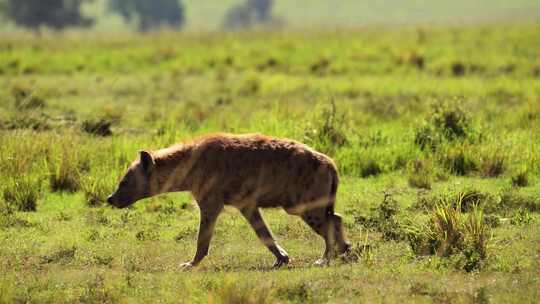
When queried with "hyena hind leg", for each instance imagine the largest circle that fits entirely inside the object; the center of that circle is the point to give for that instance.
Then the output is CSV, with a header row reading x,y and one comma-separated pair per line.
x,y
322,225
343,245
330,227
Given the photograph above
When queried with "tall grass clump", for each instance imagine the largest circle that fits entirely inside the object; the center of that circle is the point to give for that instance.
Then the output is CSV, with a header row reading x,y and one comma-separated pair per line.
x,y
447,122
64,174
22,194
450,232
25,98
458,160
493,164
420,173
97,127
96,189
520,179
511,199
385,219
326,132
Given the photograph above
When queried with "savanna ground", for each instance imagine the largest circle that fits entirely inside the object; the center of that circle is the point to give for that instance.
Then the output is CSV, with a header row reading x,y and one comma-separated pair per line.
x,y
435,133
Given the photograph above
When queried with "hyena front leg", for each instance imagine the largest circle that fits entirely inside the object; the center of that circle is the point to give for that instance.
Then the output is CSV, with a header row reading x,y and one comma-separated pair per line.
x,y
253,215
209,215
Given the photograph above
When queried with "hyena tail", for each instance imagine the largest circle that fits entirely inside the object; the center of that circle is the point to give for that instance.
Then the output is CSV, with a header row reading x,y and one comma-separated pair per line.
x,y
332,196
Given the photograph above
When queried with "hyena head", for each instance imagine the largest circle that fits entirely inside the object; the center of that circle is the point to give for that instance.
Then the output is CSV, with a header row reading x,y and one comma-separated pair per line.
x,y
136,183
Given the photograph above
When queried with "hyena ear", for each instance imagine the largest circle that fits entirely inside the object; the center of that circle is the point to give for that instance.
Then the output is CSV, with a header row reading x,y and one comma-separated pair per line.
x,y
147,161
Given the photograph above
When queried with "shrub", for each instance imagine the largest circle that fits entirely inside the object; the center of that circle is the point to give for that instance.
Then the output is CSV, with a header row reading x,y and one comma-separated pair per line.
x,y
493,165
447,121
327,131
512,199
458,69
22,194
449,232
521,217
370,167
64,175
8,218
458,161
99,127
26,99
385,219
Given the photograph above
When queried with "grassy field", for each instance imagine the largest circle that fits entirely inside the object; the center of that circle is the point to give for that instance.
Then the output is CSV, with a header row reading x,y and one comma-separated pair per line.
x,y
435,133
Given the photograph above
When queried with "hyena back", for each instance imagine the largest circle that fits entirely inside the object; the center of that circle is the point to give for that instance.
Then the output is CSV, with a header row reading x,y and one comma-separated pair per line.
x,y
248,172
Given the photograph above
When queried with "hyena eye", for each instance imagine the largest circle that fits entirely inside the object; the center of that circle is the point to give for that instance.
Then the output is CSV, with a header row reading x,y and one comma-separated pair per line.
x,y
123,183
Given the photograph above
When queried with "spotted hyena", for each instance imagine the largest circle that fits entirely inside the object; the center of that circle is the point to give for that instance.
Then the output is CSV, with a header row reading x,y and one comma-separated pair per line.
x,y
248,172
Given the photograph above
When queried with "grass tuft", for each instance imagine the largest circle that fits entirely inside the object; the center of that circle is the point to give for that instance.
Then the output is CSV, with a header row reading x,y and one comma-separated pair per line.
x,y
493,165
327,132
450,232
459,162
64,175
96,189
233,292
420,174
447,121
98,127
22,194
521,179
61,255
25,98
512,199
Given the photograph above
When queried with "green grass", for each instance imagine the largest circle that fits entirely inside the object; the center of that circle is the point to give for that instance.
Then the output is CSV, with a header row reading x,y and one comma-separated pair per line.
x,y
75,109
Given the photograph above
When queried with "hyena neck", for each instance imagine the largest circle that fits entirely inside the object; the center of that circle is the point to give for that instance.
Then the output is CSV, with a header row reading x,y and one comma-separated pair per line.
x,y
173,169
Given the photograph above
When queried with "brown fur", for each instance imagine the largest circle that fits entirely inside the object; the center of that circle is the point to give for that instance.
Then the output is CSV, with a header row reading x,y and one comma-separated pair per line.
x,y
248,172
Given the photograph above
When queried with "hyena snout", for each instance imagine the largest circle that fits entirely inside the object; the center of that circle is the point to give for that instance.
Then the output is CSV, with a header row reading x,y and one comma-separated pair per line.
x,y
115,202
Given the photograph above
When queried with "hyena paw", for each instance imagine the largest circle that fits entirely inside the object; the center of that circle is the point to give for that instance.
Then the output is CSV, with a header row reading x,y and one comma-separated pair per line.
x,y
281,262
346,249
187,265
322,262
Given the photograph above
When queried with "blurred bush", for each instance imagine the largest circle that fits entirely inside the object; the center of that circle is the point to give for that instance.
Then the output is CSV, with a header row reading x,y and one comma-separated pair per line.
x,y
150,14
250,14
57,14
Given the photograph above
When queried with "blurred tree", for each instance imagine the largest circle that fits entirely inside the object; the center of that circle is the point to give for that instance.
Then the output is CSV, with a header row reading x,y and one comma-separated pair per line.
x,y
53,13
261,8
150,14
249,14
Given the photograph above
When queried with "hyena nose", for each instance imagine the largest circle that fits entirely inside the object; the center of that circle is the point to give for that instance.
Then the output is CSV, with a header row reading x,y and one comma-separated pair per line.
x,y
109,199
